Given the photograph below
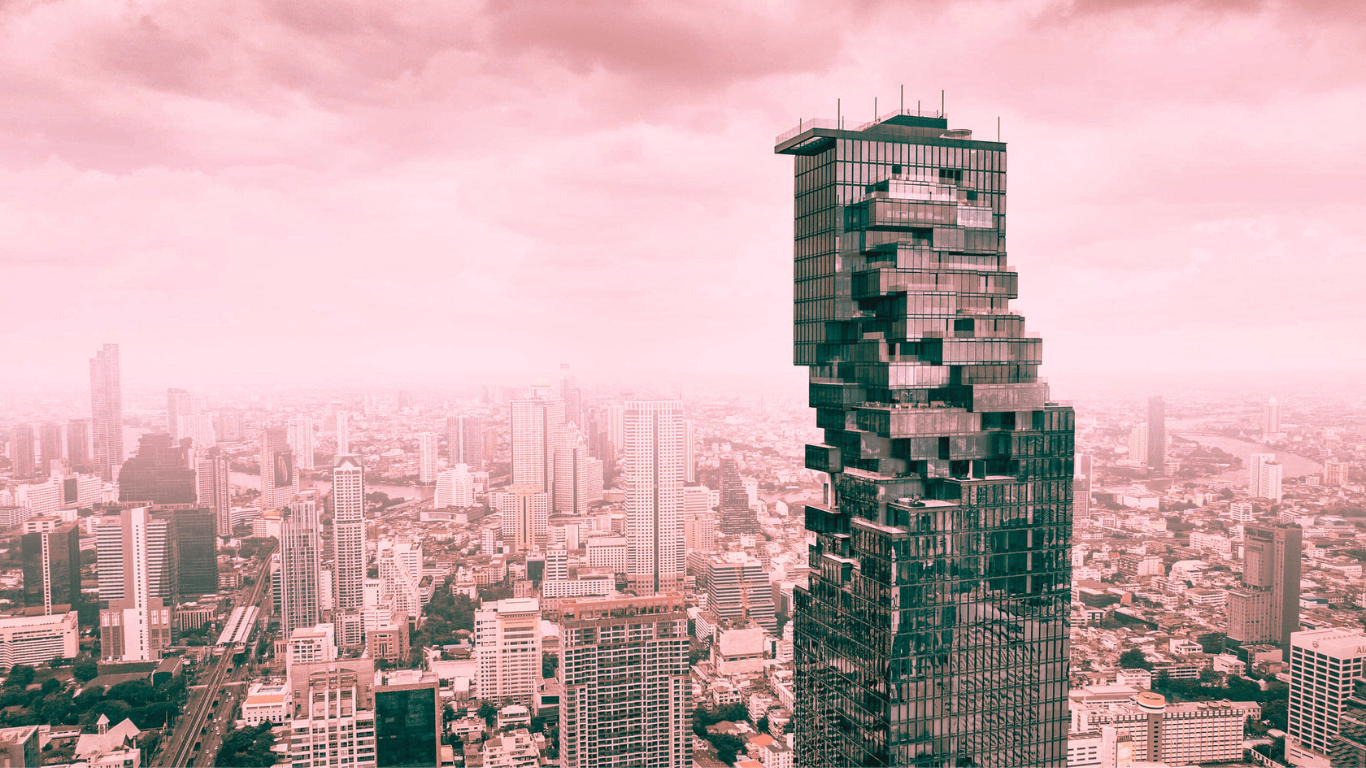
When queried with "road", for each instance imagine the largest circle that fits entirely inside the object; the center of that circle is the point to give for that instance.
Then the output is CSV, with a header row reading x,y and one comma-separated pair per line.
x,y
180,750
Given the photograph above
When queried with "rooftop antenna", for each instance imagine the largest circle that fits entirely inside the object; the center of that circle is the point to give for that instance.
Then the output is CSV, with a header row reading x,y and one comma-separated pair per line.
x,y
903,97
875,109
839,121
998,127
941,104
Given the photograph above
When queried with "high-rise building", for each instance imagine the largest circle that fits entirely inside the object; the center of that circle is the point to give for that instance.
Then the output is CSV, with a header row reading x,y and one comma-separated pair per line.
x,y
537,432
1157,434
465,441
616,428
689,453
343,422
571,395
137,624
300,439
348,525
699,531
408,720
106,412
279,482
1324,667
525,510
50,439
1264,477
737,589
400,574
1081,486
1138,444
78,444
625,680
1271,419
1335,472
507,650
179,404
735,516
214,488
196,550
1266,607
654,495
52,569
159,473
22,454
230,426
940,440
574,469
300,565
454,488
332,722
426,457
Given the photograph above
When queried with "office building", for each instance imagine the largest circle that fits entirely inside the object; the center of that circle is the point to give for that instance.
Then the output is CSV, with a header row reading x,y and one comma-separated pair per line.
x,y
179,404
23,454
1157,434
1081,486
608,552
1335,472
575,469
426,457
699,531
1158,731
52,568
343,431
300,565
537,433
279,482
300,440
616,427
36,640
654,491
454,488
137,624
19,746
53,457
309,644
400,575
196,549
525,510
507,651
1138,444
735,516
1271,419
214,488
333,723
937,430
1324,667
160,472
78,444
572,397
106,412
348,526
1265,608
465,441
408,720
625,678
737,589
1264,477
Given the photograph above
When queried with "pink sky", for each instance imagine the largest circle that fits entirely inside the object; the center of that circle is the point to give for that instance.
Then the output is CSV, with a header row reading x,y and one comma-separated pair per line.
x,y
301,191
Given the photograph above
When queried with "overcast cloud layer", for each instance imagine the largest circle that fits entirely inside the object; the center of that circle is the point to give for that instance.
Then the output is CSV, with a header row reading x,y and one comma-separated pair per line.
x,y
303,191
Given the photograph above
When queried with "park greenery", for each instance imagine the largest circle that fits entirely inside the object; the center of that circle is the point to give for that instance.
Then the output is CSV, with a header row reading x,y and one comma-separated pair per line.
x,y
52,702
247,748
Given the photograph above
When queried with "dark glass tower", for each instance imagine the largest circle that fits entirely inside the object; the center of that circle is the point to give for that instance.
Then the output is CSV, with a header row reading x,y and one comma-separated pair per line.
x,y
735,517
934,630
1157,435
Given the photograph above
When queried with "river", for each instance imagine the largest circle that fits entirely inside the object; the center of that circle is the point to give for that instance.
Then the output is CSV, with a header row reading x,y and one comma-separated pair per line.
x,y
246,480
1293,465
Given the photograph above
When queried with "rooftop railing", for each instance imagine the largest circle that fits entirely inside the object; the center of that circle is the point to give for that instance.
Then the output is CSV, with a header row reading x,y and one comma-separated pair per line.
x,y
843,123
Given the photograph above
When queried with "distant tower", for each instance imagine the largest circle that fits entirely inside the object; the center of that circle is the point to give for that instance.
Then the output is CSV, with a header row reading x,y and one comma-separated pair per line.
x,y
1138,444
525,510
279,481
1266,608
23,458
52,568
1264,477
348,524
616,429
1157,434
343,422
573,466
300,604
179,404
215,488
301,441
106,410
654,490
426,457
454,488
689,453
135,562
78,444
50,437
1271,419
537,432
465,441
734,513
571,395
1081,486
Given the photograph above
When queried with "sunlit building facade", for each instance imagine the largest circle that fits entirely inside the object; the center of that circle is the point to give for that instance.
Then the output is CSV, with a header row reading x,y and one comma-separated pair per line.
x,y
934,630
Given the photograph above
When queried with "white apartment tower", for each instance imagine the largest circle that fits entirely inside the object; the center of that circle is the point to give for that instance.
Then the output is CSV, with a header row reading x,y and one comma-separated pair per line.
x,y
301,441
454,488
343,433
654,490
333,722
1138,444
1324,666
537,433
626,684
137,624
1271,419
400,575
507,650
525,510
348,526
426,457
573,470
1264,477
300,566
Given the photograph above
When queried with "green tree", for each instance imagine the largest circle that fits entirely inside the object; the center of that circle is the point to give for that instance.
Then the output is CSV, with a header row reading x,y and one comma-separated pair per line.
x,y
20,676
248,748
489,713
1133,659
727,747
85,670
549,663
